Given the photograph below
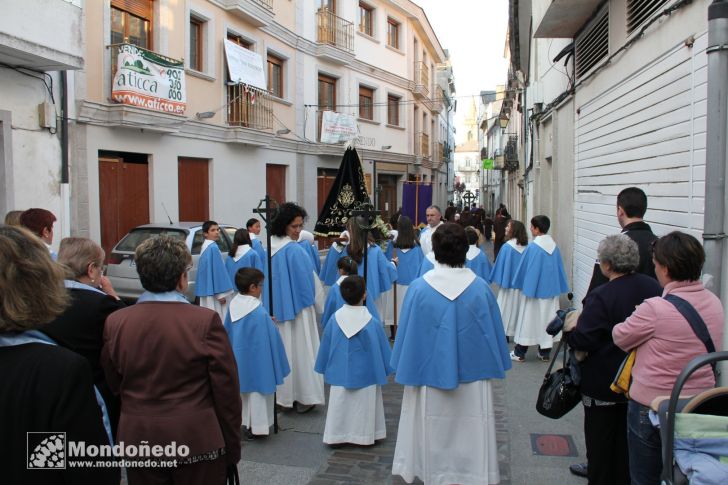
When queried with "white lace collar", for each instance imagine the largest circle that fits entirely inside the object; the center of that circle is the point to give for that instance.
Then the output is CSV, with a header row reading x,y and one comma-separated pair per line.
x,y
240,252
472,253
206,244
242,305
449,282
277,243
351,319
545,242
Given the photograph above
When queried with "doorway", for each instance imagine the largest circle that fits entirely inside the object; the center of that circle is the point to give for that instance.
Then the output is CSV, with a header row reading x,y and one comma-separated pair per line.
x,y
275,182
193,189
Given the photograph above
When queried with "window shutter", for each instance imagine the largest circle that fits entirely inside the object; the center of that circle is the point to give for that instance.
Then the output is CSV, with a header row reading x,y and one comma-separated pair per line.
x,y
592,43
140,8
640,10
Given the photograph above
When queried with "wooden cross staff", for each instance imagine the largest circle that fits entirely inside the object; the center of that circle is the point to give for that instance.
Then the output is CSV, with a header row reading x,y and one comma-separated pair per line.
x,y
268,209
366,211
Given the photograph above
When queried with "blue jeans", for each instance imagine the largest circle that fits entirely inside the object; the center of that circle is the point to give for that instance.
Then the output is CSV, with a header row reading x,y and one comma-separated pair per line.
x,y
645,446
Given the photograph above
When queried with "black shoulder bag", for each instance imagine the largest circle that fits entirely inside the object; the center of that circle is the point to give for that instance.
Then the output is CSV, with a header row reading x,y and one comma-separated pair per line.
x,y
696,323
559,392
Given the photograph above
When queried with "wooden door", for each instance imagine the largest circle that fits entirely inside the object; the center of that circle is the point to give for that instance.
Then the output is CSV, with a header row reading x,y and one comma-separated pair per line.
x,y
275,182
387,202
193,189
123,198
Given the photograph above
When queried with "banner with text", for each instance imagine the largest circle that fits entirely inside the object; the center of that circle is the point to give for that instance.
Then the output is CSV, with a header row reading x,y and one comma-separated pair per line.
x,y
149,80
338,127
244,66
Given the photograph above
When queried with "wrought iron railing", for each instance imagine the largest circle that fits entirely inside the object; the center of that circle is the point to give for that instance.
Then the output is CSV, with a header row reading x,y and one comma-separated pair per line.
x,y
334,30
249,107
265,3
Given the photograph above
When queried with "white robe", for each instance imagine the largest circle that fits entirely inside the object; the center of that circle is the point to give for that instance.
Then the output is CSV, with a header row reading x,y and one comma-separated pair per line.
x,y
355,416
510,301
257,412
447,436
213,302
534,314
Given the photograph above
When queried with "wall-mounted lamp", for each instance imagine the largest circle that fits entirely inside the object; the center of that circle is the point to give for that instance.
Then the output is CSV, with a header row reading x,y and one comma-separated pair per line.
x,y
503,121
282,131
204,115
386,147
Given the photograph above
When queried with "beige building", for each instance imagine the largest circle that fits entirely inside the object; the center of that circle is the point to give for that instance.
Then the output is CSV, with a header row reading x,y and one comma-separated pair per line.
x,y
467,161
234,142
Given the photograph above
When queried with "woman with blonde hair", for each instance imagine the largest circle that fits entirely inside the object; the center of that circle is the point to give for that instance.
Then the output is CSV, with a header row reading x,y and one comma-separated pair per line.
x,y
44,387
92,299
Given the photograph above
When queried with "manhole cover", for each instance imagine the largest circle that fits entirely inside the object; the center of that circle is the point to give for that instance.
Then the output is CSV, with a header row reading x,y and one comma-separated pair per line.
x,y
553,445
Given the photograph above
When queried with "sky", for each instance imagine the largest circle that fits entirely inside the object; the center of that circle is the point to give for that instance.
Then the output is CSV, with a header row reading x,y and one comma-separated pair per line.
x,y
474,32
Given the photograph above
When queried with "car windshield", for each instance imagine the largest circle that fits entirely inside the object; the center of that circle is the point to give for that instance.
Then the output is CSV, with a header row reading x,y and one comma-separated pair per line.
x,y
222,243
138,236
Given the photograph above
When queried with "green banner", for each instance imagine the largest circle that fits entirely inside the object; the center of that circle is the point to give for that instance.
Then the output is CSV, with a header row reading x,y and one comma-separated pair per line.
x,y
487,164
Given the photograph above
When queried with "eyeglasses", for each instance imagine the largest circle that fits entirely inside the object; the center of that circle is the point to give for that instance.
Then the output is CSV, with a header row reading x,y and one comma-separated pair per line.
x,y
189,268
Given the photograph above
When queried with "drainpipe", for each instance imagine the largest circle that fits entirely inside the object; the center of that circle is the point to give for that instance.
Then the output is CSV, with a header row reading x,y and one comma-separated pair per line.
x,y
65,187
714,223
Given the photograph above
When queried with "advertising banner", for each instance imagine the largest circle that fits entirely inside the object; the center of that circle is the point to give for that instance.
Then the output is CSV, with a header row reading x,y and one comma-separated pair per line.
x,y
338,127
148,80
245,66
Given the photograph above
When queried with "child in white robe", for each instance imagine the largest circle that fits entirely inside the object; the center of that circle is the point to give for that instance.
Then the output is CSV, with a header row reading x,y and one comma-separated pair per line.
x,y
259,352
354,359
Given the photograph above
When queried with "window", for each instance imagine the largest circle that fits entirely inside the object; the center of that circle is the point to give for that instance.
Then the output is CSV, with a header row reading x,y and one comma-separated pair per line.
x,y
275,75
240,41
366,103
365,19
326,96
393,110
131,21
639,11
196,44
329,5
592,43
393,33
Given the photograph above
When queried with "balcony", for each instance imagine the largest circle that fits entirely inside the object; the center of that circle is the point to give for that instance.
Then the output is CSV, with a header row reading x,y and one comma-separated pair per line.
x,y
422,80
335,37
422,145
511,154
249,107
259,13
436,104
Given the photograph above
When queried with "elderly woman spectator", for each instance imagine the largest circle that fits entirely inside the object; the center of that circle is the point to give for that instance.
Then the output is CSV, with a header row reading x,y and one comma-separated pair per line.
x,y
605,412
172,365
449,346
44,387
665,343
80,328
12,218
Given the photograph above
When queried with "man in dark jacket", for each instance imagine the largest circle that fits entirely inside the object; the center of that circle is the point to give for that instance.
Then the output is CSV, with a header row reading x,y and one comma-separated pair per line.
x,y
631,208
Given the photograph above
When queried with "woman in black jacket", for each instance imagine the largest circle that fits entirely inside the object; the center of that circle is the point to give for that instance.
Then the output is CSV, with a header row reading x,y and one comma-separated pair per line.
x,y
605,413
92,298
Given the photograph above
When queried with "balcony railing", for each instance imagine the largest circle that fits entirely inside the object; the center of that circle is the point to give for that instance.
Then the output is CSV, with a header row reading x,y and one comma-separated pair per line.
x,y
334,30
422,145
265,3
422,79
249,107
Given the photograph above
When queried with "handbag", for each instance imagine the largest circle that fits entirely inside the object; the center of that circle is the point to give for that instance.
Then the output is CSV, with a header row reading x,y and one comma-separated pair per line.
x,y
559,392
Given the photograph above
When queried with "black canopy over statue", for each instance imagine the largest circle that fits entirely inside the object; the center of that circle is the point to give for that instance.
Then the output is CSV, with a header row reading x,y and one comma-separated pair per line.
x,y
349,190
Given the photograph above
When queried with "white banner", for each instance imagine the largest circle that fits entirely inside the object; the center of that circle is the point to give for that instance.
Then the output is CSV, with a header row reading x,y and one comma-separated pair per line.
x,y
338,127
245,66
148,80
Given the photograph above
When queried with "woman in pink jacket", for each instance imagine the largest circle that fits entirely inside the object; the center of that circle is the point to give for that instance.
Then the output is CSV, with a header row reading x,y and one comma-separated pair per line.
x,y
665,343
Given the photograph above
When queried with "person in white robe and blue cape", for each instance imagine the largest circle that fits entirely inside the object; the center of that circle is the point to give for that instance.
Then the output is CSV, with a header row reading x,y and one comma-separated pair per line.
x,y
212,283
295,291
259,352
253,228
408,253
510,298
475,259
449,345
354,359
334,300
541,277
307,242
242,255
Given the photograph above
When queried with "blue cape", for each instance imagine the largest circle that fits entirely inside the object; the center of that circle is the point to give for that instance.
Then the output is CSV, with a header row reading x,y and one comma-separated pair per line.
x,y
442,343
361,361
505,267
409,264
329,272
313,253
259,352
293,285
480,266
262,253
334,301
425,266
212,277
250,260
540,274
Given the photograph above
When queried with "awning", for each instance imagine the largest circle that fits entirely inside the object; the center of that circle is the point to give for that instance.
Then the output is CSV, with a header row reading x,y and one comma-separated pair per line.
x,y
564,18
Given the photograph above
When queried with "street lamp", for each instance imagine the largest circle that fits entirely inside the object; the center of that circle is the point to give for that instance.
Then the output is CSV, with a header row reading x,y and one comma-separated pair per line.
x,y
503,121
